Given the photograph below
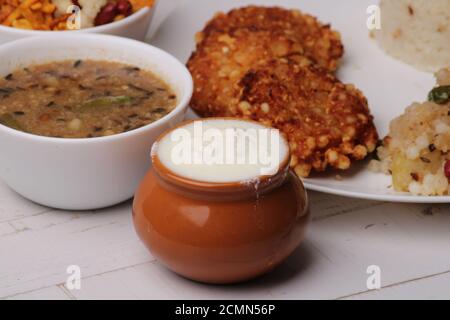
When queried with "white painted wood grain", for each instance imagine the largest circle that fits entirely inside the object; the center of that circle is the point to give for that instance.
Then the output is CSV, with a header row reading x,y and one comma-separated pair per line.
x,y
346,235
41,248
13,206
430,288
404,240
50,293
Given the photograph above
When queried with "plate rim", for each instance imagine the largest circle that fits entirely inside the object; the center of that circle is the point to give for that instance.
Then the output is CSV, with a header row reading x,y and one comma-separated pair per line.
x,y
394,198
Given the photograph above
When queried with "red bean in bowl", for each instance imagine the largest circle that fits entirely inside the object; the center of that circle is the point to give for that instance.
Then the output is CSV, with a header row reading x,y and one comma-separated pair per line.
x,y
106,14
447,169
124,7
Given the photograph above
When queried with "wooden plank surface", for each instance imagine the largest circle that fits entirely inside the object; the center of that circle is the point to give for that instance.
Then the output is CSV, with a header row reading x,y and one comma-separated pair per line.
x,y
408,242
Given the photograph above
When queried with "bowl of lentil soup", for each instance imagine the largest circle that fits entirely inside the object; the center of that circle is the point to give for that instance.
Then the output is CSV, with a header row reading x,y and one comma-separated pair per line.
x,y
79,114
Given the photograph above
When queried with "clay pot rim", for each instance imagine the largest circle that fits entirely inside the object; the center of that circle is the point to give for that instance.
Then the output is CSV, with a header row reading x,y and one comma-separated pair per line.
x,y
260,183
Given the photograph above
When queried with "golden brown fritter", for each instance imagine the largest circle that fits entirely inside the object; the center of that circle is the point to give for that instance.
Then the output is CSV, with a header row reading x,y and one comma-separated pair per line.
x,y
222,59
320,43
275,66
326,122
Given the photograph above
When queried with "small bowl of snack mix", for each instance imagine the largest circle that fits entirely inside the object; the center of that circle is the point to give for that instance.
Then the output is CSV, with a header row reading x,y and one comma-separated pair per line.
x,y
25,18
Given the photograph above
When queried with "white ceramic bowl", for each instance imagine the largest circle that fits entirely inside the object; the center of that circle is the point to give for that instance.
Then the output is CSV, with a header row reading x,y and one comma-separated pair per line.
x,y
84,174
134,26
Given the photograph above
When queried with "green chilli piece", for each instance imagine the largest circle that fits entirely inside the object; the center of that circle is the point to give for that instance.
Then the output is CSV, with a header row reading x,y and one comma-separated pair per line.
x,y
8,120
440,95
104,103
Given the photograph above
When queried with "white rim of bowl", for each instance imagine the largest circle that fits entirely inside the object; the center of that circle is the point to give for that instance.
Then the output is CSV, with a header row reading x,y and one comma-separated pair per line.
x,y
181,106
105,27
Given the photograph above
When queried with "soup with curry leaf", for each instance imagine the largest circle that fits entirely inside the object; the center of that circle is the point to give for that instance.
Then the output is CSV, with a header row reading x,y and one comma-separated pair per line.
x,y
82,99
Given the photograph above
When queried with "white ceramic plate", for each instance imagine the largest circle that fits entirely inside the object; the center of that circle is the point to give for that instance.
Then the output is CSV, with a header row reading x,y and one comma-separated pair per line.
x,y
389,85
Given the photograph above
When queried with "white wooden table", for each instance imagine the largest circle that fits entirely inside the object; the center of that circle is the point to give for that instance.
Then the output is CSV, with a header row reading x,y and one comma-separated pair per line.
x,y
409,243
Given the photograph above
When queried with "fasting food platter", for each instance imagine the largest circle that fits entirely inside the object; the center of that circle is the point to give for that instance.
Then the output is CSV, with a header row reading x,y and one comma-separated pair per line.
x,y
389,84
282,96
312,69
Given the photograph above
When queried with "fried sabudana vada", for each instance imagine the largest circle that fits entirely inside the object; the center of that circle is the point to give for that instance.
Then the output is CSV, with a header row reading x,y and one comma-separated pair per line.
x,y
232,43
327,123
223,59
319,42
276,66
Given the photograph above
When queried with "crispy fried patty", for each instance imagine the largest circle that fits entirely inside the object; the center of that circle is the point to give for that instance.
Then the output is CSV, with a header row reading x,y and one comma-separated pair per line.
x,y
222,60
275,66
319,42
326,122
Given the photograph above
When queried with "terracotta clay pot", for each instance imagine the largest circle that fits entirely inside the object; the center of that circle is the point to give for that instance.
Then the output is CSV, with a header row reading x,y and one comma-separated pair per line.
x,y
220,232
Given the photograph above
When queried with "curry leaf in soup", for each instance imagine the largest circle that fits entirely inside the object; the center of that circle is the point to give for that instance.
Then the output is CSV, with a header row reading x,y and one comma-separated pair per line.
x,y
104,103
82,99
440,95
6,91
8,120
77,63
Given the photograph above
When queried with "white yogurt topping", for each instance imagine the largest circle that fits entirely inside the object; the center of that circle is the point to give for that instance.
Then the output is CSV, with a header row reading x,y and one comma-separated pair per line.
x,y
222,150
